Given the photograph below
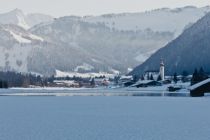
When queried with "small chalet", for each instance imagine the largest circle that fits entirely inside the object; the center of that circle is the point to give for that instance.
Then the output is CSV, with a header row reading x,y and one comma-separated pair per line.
x,y
199,89
126,81
66,83
129,83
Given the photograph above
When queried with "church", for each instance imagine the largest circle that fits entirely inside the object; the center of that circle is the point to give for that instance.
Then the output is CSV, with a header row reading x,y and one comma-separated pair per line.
x,y
157,75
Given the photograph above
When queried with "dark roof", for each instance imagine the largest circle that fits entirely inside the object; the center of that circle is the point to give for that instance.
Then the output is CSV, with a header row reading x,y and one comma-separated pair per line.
x,y
199,84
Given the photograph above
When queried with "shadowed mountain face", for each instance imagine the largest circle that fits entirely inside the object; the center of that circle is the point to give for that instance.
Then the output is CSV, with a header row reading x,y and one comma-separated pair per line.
x,y
189,51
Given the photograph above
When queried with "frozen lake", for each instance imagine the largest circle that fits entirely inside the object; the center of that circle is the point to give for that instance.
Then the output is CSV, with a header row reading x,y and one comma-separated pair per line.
x,y
104,118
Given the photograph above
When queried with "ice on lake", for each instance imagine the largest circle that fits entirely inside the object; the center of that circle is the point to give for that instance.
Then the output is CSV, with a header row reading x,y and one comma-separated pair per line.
x,y
104,118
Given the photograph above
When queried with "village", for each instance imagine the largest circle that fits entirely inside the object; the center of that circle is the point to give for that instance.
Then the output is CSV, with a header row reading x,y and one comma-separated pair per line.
x,y
152,80
197,84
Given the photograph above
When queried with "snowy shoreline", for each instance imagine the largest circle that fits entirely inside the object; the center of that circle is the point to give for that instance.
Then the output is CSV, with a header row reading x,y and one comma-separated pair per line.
x,y
90,92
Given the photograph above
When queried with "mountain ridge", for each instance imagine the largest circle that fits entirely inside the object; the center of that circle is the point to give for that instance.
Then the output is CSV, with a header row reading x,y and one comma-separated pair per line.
x,y
17,17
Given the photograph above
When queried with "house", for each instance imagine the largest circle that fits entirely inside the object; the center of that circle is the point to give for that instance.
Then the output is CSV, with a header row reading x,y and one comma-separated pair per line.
x,y
129,83
147,83
124,79
200,88
66,83
102,82
166,81
174,88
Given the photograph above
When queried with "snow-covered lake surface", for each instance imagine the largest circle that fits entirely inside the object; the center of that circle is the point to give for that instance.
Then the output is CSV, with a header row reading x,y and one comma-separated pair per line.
x,y
150,91
104,118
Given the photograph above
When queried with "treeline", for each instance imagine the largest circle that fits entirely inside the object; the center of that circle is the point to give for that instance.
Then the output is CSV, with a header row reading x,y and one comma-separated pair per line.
x,y
199,76
14,79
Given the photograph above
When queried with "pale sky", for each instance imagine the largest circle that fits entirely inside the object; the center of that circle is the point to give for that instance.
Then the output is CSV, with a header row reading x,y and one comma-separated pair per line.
x,y
58,8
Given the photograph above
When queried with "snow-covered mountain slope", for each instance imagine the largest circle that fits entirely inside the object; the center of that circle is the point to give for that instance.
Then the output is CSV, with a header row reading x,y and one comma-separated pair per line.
x,y
16,45
107,43
84,47
162,20
17,17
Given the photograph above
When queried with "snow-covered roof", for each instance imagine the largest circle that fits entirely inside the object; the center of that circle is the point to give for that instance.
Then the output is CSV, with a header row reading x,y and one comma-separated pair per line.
x,y
65,81
199,84
83,75
126,77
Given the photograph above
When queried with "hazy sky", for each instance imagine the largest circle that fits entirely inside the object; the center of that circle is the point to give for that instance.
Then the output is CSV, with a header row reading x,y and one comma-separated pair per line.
x,y
92,7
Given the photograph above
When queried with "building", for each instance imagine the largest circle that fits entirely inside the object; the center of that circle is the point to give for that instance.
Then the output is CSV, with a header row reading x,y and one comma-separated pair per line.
x,y
66,83
200,88
125,80
155,74
102,82
162,70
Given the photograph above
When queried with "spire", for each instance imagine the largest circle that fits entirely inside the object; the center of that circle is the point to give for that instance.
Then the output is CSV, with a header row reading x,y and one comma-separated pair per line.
x,y
161,62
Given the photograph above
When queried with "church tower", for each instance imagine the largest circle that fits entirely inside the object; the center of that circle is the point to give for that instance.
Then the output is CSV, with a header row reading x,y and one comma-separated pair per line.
x,y
162,70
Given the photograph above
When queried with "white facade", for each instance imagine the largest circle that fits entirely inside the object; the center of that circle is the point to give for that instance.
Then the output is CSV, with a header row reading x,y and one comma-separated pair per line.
x,y
162,70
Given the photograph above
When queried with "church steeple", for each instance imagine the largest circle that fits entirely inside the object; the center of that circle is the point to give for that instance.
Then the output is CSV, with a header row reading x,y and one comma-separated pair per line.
x,y
162,70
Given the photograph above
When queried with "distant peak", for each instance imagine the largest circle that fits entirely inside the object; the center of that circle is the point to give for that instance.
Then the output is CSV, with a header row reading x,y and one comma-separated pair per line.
x,y
16,11
190,7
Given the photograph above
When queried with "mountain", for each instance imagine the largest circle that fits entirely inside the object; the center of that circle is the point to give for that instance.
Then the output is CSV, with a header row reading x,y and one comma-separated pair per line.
x,y
189,51
160,20
81,46
36,18
17,17
41,44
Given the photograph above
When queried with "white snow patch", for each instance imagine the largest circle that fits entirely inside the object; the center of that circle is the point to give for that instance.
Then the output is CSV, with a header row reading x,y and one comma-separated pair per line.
x,y
22,23
19,38
84,66
115,71
130,69
36,37
82,75
97,61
